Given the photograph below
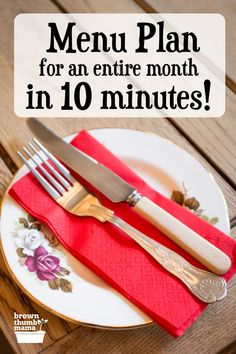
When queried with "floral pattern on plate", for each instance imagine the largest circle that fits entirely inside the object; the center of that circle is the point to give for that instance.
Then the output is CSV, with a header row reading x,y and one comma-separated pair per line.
x,y
182,198
37,250
40,253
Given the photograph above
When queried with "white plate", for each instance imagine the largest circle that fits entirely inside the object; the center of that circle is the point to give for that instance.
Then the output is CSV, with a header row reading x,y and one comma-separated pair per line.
x,y
165,167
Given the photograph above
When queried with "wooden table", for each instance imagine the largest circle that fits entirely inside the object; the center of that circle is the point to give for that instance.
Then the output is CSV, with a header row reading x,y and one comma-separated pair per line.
x,y
211,141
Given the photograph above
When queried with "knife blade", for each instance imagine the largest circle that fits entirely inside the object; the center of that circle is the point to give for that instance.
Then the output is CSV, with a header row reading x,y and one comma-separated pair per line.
x,y
99,176
118,190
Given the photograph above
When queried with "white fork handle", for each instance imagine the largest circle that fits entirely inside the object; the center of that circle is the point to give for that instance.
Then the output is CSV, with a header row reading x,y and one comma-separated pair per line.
x,y
202,250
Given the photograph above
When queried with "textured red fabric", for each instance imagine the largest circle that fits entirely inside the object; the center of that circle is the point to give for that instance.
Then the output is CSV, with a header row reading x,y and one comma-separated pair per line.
x,y
115,257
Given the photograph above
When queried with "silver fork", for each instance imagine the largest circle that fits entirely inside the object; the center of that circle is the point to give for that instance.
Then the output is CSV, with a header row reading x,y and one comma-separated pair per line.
x,y
73,197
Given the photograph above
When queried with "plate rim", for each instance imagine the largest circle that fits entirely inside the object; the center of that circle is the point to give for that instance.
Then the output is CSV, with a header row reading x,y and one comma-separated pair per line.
x,y
82,323
64,317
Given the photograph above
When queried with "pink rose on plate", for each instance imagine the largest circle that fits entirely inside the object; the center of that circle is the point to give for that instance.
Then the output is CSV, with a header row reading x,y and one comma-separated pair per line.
x,y
45,265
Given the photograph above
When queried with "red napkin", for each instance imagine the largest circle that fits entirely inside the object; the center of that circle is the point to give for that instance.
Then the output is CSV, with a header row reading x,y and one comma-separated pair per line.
x,y
113,255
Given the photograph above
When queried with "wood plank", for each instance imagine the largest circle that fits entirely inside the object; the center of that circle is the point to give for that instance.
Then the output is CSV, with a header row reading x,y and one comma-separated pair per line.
x,y
12,298
229,349
165,130
5,178
64,127
21,134
226,8
204,336
214,138
158,126
100,6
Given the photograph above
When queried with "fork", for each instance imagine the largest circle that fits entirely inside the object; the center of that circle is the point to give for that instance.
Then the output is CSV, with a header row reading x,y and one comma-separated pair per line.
x,y
73,197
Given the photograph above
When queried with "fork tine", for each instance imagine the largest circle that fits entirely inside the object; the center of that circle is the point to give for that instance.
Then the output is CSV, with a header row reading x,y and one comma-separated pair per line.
x,y
57,185
61,168
43,158
46,185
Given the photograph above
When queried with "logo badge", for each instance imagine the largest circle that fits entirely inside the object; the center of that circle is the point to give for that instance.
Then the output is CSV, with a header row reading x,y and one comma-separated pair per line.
x,y
28,328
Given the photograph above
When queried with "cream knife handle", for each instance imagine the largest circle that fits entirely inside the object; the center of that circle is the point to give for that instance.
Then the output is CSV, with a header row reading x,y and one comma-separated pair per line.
x,y
202,250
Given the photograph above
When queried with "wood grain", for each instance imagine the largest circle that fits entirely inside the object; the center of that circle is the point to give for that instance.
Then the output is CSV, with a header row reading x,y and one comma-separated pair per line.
x,y
13,299
99,6
196,128
158,126
63,337
201,338
226,8
215,139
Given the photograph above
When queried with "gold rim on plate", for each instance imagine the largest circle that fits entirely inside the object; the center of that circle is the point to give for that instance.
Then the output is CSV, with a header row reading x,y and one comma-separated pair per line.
x,y
85,324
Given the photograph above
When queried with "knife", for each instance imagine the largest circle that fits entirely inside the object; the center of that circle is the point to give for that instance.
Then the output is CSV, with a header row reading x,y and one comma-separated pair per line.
x,y
118,190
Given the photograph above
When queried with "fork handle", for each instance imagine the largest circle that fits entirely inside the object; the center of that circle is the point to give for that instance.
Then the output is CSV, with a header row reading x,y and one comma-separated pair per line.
x,y
204,285
202,250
